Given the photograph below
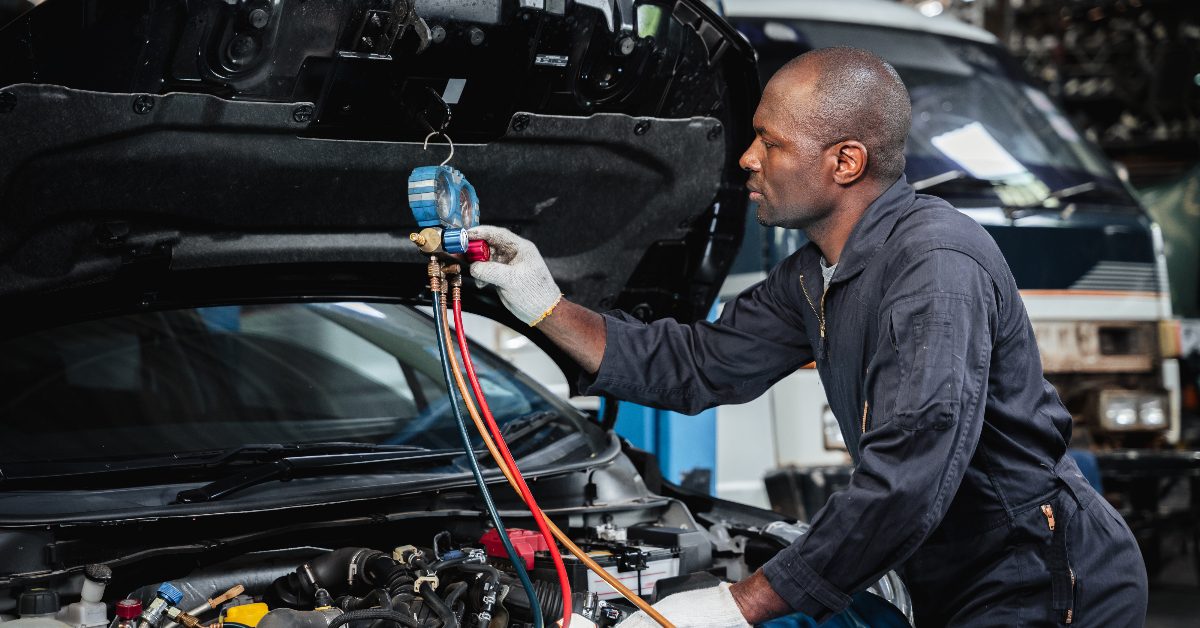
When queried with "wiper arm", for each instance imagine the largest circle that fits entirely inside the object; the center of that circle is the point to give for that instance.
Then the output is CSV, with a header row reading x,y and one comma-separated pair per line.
x,y
949,176
289,467
1054,199
524,425
272,451
961,179
1070,192
182,461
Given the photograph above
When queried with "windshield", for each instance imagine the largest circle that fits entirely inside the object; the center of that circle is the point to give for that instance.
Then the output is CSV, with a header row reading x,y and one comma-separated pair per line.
x,y
974,118
191,380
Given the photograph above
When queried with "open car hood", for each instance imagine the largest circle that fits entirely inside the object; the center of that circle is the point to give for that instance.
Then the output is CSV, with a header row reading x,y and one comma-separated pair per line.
x,y
165,153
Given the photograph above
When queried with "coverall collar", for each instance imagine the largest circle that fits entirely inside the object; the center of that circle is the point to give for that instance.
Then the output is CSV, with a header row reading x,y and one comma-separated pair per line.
x,y
872,229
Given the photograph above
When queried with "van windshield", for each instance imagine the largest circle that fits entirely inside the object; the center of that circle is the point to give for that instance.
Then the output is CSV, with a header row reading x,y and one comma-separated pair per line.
x,y
974,116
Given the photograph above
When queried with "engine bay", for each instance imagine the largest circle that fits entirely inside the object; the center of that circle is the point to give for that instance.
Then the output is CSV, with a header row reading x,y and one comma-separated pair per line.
x,y
459,575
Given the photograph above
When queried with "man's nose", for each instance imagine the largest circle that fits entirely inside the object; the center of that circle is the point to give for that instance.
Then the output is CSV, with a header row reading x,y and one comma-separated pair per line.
x,y
749,161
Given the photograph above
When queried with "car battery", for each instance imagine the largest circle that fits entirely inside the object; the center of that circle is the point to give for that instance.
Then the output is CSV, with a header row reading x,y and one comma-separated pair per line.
x,y
637,566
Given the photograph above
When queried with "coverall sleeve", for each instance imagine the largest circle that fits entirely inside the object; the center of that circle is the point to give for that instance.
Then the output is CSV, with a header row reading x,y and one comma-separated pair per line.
x,y
926,386
758,339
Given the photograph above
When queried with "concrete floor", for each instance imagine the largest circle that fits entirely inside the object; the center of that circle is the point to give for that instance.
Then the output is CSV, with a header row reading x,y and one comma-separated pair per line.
x,y
1175,593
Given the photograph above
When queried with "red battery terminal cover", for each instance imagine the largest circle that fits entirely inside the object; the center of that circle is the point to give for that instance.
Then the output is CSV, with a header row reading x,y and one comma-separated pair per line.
x,y
479,251
526,542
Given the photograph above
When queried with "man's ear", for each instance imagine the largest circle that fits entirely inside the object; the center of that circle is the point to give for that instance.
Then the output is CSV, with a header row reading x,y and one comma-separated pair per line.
x,y
851,158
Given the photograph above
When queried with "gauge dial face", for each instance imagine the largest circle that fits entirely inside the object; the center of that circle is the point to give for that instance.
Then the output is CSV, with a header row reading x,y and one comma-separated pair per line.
x,y
443,191
442,196
457,205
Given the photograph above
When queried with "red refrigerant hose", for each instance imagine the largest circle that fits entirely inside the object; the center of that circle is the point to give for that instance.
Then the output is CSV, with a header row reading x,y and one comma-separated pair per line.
x,y
508,461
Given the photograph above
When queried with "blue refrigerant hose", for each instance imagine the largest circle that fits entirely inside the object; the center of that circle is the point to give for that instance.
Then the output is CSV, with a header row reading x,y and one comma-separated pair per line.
x,y
517,561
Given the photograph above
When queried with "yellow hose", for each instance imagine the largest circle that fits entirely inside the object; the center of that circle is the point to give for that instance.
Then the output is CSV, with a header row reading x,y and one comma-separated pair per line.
x,y
558,534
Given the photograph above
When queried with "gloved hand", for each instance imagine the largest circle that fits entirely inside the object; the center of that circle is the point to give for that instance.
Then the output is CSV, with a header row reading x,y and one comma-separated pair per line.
x,y
703,608
518,272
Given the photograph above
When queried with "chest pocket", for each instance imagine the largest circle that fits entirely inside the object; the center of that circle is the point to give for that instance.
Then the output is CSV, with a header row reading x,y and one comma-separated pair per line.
x,y
929,392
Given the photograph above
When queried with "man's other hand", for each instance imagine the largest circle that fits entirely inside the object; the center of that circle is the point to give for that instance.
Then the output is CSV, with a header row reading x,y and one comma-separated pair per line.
x,y
711,608
517,270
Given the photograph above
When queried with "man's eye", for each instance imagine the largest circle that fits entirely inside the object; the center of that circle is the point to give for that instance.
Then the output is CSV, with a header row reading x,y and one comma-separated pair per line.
x,y
767,144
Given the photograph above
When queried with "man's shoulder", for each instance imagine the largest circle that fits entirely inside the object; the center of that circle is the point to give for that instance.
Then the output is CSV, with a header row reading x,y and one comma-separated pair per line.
x,y
932,223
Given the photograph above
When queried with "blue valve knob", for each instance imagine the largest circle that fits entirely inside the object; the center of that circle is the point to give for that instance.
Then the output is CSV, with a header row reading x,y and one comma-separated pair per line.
x,y
168,592
165,597
455,241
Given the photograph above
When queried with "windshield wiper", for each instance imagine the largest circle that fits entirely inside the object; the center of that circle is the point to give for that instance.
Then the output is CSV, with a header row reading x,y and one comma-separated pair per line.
x,y
182,461
272,451
522,426
959,179
1054,199
951,178
291,466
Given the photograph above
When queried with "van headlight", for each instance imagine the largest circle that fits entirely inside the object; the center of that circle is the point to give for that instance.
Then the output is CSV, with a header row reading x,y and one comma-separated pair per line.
x,y
1132,410
1152,412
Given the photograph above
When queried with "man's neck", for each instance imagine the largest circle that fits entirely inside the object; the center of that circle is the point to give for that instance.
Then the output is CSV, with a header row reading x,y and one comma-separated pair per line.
x,y
831,234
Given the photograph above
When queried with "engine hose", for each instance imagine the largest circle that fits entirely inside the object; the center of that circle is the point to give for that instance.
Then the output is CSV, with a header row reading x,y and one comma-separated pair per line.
x,y
374,613
575,550
547,598
445,564
439,313
491,588
455,591
402,606
377,597
490,572
400,582
433,601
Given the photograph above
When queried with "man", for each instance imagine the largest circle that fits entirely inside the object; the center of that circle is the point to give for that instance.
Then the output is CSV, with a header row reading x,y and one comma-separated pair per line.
x,y
928,360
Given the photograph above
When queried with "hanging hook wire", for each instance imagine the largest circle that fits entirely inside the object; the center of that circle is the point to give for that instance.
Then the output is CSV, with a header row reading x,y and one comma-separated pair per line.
x,y
448,141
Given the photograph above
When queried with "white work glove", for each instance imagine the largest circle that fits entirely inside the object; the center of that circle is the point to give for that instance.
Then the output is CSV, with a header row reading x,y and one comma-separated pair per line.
x,y
578,621
518,272
703,608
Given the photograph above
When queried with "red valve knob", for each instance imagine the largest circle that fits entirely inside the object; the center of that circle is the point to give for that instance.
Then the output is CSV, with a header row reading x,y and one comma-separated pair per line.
x,y
479,251
129,608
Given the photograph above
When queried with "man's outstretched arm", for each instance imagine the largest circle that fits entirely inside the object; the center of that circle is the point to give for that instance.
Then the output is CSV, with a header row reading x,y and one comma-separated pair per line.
x,y
528,290
758,339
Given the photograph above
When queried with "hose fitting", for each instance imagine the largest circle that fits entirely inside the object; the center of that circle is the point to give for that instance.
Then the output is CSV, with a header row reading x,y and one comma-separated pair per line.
x,y
456,283
435,275
181,617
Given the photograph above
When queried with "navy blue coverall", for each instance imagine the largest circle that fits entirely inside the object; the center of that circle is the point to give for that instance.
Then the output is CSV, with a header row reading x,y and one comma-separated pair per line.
x,y
929,362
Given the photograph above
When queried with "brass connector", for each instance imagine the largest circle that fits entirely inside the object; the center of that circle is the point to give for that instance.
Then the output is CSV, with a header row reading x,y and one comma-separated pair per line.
x,y
429,239
454,276
181,617
226,596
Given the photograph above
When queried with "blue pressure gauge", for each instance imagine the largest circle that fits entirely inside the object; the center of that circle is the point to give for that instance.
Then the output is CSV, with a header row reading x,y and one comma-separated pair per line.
x,y
441,196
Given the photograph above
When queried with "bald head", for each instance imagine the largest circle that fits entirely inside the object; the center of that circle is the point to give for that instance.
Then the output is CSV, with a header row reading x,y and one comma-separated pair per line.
x,y
840,94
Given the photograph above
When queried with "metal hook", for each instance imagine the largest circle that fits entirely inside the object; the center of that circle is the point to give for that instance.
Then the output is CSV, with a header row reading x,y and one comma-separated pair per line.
x,y
448,141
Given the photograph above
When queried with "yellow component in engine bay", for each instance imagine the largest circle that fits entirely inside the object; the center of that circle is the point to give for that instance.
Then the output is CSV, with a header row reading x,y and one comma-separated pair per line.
x,y
244,615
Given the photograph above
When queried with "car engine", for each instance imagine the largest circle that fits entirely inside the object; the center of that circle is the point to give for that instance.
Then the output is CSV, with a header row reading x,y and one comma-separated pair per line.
x,y
454,578
439,578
